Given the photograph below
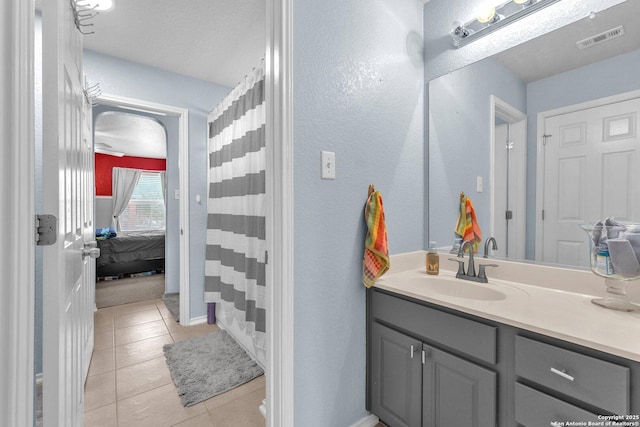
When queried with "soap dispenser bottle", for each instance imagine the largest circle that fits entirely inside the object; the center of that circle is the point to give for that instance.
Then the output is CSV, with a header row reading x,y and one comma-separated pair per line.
x,y
433,260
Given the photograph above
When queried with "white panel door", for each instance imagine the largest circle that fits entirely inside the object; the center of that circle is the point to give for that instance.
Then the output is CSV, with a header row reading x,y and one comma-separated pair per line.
x,y
67,193
591,171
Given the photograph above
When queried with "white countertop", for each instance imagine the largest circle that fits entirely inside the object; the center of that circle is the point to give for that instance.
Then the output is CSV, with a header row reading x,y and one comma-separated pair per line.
x,y
548,300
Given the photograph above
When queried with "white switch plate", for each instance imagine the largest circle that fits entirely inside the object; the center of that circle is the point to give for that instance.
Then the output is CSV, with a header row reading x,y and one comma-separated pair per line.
x,y
479,184
176,194
328,165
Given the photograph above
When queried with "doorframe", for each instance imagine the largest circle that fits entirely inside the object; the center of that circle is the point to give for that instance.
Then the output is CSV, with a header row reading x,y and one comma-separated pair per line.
x,y
17,259
540,160
510,114
183,166
280,213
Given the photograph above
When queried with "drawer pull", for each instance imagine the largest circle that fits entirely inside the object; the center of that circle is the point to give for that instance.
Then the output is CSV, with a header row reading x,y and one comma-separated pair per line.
x,y
412,351
562,373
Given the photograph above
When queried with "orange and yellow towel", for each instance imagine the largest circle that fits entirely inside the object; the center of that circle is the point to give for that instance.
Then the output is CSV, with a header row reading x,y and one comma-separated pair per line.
x,y
467,226
376,251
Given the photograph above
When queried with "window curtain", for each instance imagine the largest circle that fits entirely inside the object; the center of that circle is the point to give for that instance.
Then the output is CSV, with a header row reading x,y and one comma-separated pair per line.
x,y
236,247
124,181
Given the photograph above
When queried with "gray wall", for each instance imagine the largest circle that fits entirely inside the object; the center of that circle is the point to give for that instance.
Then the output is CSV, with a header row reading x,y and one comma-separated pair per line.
x,y
356,92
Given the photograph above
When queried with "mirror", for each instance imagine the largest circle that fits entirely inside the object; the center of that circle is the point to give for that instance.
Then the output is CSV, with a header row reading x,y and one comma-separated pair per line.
x,y
486,128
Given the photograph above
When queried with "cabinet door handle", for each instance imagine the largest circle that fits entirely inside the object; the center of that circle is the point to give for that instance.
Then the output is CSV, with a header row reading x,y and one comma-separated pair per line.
x,y
413,349
562,373
424,357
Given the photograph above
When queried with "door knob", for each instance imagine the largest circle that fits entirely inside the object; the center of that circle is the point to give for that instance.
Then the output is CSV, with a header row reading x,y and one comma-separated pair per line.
x,y
90,250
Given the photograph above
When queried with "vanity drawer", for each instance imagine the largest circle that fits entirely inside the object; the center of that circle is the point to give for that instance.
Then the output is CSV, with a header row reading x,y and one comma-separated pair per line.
x,y
536,409
591,380
473,338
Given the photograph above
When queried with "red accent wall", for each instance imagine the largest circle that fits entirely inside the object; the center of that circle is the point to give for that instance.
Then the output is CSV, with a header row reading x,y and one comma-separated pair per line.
x,y
105,163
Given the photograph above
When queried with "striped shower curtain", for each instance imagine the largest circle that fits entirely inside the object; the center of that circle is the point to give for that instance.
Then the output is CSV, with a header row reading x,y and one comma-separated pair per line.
x,y
236,246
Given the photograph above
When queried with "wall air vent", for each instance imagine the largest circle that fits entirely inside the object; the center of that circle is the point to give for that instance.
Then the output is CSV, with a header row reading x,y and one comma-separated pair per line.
x,y
601,38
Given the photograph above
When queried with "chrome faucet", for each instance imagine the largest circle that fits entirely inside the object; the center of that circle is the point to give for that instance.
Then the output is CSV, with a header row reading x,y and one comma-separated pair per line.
x,y
471,270
486,246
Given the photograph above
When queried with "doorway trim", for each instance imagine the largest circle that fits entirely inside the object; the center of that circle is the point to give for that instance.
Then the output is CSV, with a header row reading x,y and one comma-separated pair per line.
x,y
280,245
183,166
504,111
17,260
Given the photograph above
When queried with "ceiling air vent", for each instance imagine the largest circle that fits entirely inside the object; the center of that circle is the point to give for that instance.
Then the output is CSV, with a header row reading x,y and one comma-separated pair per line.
x,y
601,38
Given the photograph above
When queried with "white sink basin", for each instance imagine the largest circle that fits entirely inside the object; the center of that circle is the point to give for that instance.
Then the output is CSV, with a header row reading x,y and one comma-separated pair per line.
x,y
459,288
450,286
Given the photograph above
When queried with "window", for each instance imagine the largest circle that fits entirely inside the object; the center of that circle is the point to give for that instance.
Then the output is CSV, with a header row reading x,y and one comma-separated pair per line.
x,y
146,210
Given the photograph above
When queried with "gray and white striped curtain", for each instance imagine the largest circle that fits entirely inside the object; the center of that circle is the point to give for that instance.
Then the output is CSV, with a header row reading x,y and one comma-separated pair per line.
x,y
236,246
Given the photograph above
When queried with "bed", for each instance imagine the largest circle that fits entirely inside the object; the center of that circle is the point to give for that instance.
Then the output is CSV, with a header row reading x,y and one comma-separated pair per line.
x,y
131,252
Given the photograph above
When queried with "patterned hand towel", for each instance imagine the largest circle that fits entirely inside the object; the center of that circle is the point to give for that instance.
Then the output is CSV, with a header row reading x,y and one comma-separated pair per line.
x,y
376,251
467,226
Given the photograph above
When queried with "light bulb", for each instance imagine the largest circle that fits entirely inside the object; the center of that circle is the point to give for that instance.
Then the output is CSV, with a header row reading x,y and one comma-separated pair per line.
x,y
486,14
98,5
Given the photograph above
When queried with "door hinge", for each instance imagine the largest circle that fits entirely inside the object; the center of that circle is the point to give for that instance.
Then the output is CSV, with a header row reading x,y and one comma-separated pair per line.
x,y
508,215
543,214
266,257
46,230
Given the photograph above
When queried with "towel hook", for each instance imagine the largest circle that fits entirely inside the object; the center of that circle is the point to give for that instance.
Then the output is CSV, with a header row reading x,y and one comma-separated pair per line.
x,y
461,196
372,189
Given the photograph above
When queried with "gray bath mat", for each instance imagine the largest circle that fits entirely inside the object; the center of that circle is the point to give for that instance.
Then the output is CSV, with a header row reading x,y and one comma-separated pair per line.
x,y
205,366
172,302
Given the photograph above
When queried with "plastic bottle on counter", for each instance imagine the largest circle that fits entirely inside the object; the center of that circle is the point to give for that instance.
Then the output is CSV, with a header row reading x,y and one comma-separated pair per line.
x,y
603,260
433,260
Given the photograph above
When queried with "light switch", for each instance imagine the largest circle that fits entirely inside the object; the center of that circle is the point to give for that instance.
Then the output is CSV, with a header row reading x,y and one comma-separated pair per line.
x,y
176,194
328,165
479,184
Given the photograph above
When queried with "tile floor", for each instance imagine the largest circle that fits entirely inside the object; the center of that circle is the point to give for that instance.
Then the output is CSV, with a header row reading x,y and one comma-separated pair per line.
x,y
129,382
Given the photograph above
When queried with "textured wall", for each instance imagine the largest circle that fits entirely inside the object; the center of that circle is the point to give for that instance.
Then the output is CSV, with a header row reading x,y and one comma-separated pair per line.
x,y
358,93
124,78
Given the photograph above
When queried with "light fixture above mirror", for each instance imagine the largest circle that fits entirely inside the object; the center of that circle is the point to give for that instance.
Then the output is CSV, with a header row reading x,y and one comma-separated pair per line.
x,y
491,18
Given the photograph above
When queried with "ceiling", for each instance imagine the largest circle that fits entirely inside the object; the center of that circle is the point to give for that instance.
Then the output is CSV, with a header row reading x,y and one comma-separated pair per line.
x,y
214,40
557,52
117,133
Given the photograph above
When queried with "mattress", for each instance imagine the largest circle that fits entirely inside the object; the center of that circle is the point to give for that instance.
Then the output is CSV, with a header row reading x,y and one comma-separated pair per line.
x,y
130,247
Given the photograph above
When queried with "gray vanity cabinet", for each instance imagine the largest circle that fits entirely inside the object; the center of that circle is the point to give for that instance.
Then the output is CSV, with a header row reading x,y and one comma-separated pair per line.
x,y
396,392
414,383
456,392
432,366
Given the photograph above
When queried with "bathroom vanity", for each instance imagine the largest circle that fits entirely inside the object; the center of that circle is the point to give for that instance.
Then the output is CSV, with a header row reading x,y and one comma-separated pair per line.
x,y
445,352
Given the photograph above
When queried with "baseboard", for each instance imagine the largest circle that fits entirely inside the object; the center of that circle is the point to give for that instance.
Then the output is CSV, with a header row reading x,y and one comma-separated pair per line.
x,y
263,408
198,320
368,421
